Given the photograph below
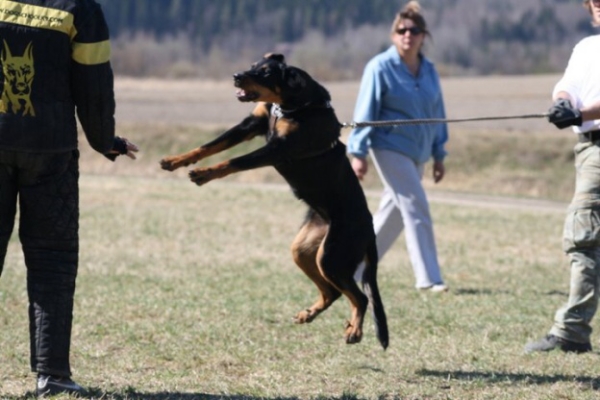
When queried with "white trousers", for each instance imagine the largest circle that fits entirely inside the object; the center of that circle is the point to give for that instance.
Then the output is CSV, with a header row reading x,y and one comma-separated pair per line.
x,y
404,206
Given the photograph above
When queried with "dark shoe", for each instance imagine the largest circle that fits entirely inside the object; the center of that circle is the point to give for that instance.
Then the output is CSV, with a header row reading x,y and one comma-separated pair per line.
x,y
552,342
48,385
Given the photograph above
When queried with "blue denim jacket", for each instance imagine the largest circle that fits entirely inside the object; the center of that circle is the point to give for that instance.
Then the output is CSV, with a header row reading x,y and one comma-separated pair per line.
x,y
388,91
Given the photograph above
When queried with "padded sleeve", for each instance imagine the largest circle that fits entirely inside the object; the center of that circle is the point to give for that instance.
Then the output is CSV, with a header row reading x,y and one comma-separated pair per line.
x,y
92,77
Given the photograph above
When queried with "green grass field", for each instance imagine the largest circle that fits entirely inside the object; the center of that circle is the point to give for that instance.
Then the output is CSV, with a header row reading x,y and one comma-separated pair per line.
x,y
188,293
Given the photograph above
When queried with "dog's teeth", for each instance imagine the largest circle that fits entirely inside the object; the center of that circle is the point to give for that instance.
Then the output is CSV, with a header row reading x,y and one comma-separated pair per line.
x,y
240,93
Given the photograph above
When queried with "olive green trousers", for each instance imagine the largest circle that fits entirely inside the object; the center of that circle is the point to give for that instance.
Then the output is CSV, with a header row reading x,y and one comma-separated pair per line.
x,y
581,242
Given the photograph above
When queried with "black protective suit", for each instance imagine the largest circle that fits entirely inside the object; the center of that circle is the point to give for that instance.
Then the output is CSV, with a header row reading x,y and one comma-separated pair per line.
x,y
55,65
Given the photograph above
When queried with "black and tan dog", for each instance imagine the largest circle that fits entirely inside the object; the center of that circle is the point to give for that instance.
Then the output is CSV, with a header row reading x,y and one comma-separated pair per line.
x,y
302,143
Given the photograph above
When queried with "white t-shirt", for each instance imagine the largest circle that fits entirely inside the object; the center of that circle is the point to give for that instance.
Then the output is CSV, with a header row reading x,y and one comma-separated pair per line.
x,y
582,78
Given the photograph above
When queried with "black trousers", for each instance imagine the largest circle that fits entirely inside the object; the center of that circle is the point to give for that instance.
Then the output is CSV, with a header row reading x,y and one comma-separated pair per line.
x,y
45,186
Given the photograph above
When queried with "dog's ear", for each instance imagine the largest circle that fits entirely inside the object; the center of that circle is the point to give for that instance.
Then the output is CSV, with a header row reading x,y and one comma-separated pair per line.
x,y
293,78
275,57
6,55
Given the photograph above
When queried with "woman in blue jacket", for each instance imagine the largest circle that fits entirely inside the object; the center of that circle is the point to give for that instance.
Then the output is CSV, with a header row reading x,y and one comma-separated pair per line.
x,y
401,84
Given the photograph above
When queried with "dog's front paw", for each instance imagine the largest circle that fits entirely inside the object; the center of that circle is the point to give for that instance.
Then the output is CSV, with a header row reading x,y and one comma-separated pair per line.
x,y
172,163
200,176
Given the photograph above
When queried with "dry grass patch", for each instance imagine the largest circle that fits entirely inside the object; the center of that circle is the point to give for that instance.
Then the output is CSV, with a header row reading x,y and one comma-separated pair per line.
x,y
188,293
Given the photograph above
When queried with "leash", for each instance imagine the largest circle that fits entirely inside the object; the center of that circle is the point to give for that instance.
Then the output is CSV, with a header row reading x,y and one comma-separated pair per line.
x,y
436,120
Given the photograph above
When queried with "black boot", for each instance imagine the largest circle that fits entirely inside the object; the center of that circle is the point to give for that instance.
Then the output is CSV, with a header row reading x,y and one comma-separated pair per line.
x,y
48,385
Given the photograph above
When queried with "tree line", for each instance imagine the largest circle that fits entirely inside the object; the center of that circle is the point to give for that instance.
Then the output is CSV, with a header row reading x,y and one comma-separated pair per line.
x,y
203,20
204,37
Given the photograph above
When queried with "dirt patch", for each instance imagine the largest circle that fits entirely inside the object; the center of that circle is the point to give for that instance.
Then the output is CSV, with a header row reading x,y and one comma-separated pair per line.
x,y
212,103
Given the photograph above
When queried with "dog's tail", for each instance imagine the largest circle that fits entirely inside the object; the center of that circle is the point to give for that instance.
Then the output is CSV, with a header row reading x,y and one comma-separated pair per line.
x,y
369,281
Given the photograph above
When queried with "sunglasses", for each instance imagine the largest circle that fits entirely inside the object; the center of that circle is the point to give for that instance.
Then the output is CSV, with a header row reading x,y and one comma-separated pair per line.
x,y
415,30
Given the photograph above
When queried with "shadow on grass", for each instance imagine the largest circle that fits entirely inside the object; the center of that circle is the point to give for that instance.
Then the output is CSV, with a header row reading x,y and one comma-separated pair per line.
x,y
593,382
557,293
491,292
132,394
476,292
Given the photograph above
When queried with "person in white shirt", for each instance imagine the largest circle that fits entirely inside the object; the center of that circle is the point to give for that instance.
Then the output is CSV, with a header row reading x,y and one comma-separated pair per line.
x,y
577,104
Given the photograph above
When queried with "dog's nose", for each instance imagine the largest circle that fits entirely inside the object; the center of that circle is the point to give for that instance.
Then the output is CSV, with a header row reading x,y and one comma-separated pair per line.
x,y
237,78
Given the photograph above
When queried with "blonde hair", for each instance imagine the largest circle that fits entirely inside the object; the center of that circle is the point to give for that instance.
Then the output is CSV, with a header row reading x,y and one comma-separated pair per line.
x,y
413,6
412,11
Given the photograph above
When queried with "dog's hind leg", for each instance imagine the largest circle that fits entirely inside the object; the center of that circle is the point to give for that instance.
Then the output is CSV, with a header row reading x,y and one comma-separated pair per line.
x,y
337,258
304,250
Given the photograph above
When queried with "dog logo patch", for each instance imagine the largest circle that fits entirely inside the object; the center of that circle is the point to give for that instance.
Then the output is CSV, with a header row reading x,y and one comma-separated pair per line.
x,y
18,74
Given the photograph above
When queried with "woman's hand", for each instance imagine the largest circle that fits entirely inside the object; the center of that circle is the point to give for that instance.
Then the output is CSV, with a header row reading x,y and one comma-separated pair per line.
x,y
360,167
438,171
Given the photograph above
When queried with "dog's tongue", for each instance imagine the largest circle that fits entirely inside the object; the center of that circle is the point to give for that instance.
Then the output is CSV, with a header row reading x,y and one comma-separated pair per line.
x,y
240,93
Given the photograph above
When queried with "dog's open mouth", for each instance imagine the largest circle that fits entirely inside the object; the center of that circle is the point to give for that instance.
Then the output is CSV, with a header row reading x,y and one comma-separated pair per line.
x,y
243,95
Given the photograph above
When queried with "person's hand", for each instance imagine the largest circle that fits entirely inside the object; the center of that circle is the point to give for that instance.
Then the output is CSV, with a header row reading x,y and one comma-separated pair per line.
x,y
360,167
439,170
122,146
562,114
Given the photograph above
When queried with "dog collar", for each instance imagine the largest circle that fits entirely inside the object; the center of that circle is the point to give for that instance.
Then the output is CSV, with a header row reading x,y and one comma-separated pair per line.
x,y
281,112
